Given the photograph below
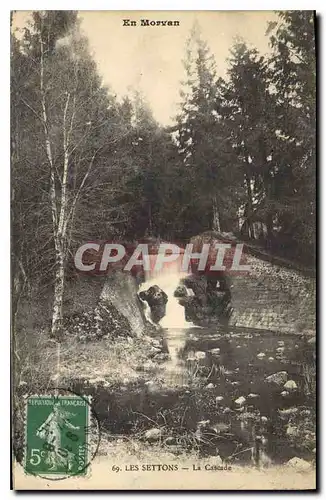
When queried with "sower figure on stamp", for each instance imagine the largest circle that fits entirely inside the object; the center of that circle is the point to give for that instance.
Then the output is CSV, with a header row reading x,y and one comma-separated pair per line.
x,y
51,430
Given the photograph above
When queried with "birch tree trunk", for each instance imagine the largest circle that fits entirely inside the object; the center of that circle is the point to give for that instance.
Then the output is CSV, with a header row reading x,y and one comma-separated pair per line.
x,y
59,222
59,285
63,197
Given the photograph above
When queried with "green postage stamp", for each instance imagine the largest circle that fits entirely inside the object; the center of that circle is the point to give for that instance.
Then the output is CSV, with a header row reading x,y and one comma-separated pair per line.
x,y
56,435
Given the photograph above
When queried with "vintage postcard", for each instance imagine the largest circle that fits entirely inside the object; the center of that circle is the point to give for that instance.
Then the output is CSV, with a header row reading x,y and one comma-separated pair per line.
x,y
163,180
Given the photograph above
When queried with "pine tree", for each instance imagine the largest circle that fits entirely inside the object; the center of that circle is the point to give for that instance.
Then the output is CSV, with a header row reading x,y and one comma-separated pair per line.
x,y
207,155
248,110
150,187
294,79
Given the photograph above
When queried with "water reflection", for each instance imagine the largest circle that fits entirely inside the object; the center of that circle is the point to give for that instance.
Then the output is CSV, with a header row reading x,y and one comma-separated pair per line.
x,y
214,393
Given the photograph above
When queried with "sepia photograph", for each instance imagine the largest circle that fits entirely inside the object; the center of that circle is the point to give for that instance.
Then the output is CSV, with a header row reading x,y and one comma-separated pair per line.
x,y
163,250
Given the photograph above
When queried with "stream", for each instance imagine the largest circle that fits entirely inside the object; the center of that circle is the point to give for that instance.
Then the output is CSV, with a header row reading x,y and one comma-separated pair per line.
x,y
212,397
212,394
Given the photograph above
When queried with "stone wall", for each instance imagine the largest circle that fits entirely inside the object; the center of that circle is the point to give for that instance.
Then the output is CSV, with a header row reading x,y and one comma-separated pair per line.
x,y
273,297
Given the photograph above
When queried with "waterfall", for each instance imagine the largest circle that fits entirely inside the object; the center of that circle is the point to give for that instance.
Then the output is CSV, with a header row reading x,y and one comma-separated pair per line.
x,y
174,321
168,278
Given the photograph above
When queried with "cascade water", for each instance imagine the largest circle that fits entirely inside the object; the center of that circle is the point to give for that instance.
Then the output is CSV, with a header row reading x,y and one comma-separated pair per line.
x,y
174,321
168,278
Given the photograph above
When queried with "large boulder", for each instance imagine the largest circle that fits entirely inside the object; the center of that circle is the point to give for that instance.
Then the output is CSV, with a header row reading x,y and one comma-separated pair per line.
x,y
209,301
278,378
157,299
120,292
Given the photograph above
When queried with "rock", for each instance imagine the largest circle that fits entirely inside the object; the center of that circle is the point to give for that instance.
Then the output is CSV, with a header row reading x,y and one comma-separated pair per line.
x,y
153,434
200,355
170,441
202,426
220,427
278,378
153,351
193,337
162,356
290,385
292,431
156,299
240,401
261,355
252,395
219,398
207,301
210,386
181,291
215,351
284,393
288,412
151,386
299,464
156,343
97,381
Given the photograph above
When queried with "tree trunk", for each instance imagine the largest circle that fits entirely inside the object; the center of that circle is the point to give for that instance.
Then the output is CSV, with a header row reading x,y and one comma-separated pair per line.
x,y
249,207
19,280
269,228
216,226
150,218
56,329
